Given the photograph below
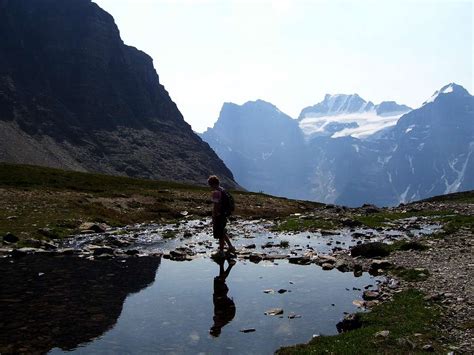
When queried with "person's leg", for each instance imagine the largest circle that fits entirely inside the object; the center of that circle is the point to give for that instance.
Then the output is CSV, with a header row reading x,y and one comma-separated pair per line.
x,y
229,244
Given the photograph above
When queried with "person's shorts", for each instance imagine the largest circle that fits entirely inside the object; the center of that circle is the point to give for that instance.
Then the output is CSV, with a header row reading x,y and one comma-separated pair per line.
x,y
218,228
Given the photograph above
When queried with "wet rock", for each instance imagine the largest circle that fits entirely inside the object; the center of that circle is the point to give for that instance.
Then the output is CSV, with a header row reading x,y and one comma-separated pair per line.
x,y
323,259
176,255
293,316
327,266
187,234
344,265
250,246
269,291
48,245
370,295
350,322
299,260
358,235
328,232
255,258
10,238
274,312
247,330
370,250
282,290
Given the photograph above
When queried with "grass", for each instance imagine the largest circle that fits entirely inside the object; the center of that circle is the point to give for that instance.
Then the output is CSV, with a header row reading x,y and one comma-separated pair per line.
x,y
33,198
411,275
408,313
295,224
382,218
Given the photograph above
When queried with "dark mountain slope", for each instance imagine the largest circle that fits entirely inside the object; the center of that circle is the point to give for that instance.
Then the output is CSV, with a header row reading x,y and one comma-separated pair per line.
x,y
72,95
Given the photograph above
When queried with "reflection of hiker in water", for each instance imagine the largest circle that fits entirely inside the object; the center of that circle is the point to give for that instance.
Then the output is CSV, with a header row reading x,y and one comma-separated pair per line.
x,y
224,307
222,208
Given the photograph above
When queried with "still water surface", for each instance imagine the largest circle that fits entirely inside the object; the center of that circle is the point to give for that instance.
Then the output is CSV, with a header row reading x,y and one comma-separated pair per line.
x,y
176,312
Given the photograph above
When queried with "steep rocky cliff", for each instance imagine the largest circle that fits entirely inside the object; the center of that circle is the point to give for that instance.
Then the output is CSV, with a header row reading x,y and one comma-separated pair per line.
x,y
73,95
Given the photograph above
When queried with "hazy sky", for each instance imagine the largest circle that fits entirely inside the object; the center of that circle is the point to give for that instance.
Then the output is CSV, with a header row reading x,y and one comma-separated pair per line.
x,y
292,52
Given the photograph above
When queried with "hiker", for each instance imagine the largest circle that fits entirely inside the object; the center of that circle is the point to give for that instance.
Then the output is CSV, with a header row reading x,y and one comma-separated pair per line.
x,y
222,207
224,307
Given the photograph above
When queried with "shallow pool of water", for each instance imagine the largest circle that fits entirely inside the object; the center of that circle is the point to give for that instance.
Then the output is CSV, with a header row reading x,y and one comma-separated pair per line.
x,y
185,310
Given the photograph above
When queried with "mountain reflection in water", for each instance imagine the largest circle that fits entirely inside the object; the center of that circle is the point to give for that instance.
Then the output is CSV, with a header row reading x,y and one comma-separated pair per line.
x,y
51,301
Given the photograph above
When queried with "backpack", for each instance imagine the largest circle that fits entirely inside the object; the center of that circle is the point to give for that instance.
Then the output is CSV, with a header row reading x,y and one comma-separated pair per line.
x,y
227,203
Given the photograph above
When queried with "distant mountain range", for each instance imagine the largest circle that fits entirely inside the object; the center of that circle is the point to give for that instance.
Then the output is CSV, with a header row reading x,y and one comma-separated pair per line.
x,y
348,151
74,96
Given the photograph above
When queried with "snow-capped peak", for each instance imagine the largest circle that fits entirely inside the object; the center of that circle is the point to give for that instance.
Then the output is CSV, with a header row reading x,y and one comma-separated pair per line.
x,y
447,89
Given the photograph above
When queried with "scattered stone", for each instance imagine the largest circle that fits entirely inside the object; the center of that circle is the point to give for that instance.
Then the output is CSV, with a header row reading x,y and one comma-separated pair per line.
x,y
358,303
293,316
428,347
299,260
274,312
327,266
370,295
344,265
255,258
380,264
382,334
247,330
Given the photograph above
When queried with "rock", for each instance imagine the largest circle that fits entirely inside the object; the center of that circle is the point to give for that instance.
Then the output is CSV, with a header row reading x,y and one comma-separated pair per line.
x,y
428,347
250,246
269,291
94,227
358,303
282,290
344,265
370,295
369,209
293,316
10,238
187,234
325,259
274,312
328,232
380,264
299,260
370,250
327,266
176,255
382,334
255,258
247,330
49,245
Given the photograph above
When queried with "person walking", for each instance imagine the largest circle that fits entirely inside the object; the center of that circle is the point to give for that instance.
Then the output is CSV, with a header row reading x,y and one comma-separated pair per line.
x,y
219,217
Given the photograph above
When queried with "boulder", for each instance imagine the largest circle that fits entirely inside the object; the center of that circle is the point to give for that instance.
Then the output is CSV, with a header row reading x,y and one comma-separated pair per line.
x,y
370,295
370,250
